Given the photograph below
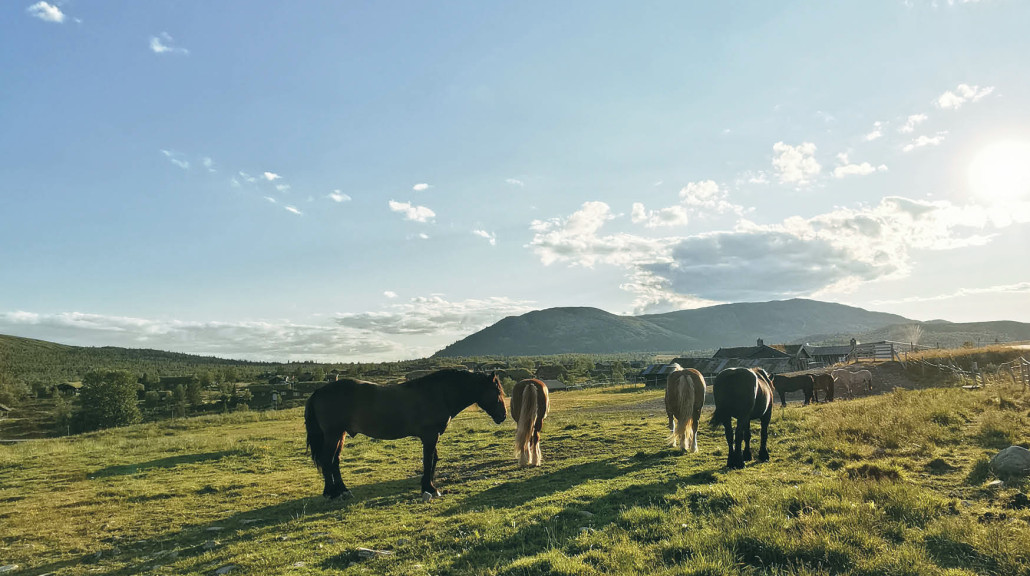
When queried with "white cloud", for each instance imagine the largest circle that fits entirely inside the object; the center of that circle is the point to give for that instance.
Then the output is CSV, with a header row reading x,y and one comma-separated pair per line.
x,y
411,212
294,210
433,315
575,240
46,12
925,141
420,187
671,216
234,182
209,164
964,93
911,122
423,236
338,196
177,159
247,177
1018,288
252,340
164,44
271,176
831,252
707,197
876,132
282,187
272,200
390,294
515,182
490,236
847,168
795,164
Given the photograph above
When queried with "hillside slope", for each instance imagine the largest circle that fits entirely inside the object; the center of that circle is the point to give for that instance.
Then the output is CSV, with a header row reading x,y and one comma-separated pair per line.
x,y
593,331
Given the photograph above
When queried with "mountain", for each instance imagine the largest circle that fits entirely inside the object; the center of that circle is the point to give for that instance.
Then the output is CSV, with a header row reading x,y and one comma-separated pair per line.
x,y
593,331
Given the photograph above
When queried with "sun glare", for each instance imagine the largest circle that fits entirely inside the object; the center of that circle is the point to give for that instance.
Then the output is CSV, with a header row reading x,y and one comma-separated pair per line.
x,y
1001,171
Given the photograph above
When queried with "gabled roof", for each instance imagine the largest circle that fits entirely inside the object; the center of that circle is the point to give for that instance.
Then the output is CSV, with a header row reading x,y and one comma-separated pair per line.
x,y
657,370
710,366
762,351
831,350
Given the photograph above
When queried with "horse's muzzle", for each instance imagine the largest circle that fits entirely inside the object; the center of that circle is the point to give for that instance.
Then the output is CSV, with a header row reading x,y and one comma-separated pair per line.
x,y
499,419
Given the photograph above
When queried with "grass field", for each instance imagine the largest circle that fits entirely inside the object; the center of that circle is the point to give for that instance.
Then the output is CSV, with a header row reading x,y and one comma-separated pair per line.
x,y
894,483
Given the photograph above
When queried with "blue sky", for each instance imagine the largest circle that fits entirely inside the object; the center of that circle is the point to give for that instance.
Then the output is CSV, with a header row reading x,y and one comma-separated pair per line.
x,y
348,181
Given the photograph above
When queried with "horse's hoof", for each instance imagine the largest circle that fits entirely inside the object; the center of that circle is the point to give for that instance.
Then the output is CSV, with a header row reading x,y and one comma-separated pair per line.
x,y
346,494
427,496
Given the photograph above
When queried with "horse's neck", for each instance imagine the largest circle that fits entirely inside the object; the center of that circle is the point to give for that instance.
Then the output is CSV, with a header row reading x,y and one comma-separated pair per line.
x,y
458,395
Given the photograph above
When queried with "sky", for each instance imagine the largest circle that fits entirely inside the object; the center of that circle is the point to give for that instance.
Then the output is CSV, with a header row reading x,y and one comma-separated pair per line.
x,y
370,181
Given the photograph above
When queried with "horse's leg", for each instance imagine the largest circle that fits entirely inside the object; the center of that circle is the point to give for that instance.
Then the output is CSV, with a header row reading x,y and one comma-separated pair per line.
x,y
763,452
808,395
429,459
329,459
746,433
783,398
731,459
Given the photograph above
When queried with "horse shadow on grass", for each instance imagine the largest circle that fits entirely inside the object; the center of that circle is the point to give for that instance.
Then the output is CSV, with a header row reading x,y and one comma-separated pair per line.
x,y
170,462
123,557
560,530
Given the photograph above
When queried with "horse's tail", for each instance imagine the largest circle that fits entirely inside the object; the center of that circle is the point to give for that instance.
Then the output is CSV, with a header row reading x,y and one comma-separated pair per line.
x,y
720,418
316,438
527,419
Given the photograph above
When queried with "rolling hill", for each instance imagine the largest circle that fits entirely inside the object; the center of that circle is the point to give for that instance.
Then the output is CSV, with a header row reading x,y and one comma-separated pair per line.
x,y
593,331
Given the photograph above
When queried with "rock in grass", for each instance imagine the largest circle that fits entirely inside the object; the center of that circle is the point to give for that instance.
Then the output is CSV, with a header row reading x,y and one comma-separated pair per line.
x,y
369,553
1011,463
427,496
226,569
8,568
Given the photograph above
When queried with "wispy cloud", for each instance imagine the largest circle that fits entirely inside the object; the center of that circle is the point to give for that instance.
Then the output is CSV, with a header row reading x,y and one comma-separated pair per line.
x,y
165,44
490,236
925,141
294,210
253,340
337,196
177,159
46,12
670,216
846,168
962,94
911,122
390,294
515,182
434,315
247,177
1018,288
282,187
209,164
272,200
876,132
795,164
271,176
420,187
411,212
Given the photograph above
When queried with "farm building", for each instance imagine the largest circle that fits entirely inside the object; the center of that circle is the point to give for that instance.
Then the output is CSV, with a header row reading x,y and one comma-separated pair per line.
x,y
656,374
710,367
830,355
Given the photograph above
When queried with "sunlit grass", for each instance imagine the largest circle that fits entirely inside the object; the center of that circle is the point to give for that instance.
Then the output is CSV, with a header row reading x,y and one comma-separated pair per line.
x,y
891,484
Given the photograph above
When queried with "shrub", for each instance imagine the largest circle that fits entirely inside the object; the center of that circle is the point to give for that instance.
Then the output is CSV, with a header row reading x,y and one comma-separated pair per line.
x,y
107,399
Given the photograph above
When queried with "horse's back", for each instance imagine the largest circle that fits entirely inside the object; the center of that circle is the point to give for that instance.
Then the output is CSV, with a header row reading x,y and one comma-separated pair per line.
x,y
739,392
359,407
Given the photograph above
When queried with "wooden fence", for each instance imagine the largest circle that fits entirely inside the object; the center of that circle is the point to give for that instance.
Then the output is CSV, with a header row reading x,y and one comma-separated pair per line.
x,y
1018,369
884,351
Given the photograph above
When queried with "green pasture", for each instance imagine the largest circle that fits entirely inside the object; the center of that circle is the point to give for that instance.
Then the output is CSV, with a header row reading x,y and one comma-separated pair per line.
x,y
889,484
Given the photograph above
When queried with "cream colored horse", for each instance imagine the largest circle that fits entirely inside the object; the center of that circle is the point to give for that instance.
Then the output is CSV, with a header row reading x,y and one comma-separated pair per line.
x,y
529,405
684,397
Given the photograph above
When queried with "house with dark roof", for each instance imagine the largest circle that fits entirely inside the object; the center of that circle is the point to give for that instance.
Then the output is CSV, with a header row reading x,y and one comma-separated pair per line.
x,y
656,374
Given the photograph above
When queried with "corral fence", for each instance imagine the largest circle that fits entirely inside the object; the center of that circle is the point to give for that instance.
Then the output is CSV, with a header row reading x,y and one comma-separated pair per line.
x,y
1018,369
884,351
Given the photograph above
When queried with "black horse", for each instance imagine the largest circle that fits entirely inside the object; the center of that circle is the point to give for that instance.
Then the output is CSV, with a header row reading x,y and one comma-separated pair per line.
x,y
823,382
803,382
421,407
745,394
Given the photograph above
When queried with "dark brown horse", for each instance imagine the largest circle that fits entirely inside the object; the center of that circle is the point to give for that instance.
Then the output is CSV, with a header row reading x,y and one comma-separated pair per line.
x,y
421,408
803,382
529,404
823,382
745,394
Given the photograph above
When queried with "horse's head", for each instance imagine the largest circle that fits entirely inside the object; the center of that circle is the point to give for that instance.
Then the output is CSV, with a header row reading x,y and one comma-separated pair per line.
x,y
491,399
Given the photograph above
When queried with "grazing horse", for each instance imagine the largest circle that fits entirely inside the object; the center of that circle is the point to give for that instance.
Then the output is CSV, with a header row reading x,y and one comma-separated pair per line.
x,y
529,405
823,382
862,377
684,397
784,384
744,394
842,377
421,408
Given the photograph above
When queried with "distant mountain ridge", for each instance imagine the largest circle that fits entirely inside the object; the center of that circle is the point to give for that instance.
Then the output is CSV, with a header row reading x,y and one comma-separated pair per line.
x,y
594,331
